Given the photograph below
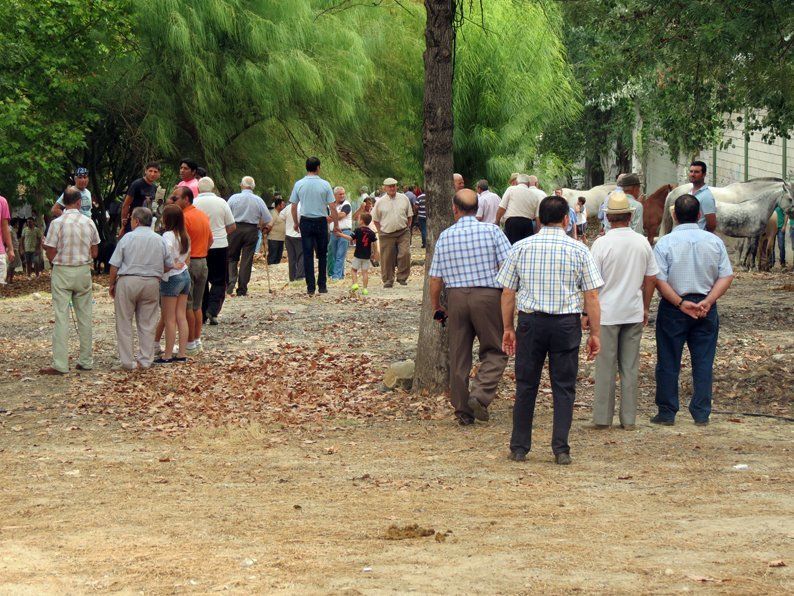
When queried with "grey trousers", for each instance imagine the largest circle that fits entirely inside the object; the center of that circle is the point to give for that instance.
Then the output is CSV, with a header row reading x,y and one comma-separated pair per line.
x,y
139,296
242,245
294,257
620,353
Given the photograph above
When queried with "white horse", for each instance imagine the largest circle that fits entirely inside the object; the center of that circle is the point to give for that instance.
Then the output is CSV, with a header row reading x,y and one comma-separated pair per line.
x,y
594,197
743,209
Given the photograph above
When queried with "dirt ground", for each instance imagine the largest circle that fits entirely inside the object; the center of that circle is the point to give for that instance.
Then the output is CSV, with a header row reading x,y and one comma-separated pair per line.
x,y
291,471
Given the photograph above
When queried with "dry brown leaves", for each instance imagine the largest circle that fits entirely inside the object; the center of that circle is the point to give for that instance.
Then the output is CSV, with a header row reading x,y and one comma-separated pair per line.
x,y
308,385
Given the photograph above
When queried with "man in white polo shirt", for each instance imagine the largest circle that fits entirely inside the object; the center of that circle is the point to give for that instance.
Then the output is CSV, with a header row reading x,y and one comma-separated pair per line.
x,y
626,263
222,224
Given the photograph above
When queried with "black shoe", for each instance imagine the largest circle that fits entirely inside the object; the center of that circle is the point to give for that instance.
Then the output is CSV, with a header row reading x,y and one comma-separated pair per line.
x,y
323,290
663,421
402,283
163,361
178,359
518,455
480,411
702,422
464,421
213,320
562,459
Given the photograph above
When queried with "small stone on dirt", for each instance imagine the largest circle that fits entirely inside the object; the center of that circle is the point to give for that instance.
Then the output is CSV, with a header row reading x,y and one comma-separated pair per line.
x,y
395,532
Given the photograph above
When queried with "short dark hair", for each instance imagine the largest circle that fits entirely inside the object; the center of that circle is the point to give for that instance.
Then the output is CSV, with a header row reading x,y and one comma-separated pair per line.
x,y
366,218
699,163
582,200
192,165
277,200
482,185
618,217
312,164
553,210
687,209
185,193
153,164
201,172
71,195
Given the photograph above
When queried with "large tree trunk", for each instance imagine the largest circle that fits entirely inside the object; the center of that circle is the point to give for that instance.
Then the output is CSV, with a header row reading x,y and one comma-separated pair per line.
x,y
609,162
432,359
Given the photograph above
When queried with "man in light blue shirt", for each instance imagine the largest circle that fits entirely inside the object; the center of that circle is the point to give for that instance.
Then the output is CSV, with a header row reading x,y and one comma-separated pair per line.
x,y
250,215
136,268
707,218
466,260
694,271
314,195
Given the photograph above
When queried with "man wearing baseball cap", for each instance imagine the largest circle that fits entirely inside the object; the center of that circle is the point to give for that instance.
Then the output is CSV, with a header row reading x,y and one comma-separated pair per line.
x,y
81,183
392,216
627,265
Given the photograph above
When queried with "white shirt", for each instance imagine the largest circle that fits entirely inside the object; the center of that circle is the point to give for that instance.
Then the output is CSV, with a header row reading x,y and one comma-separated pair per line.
x,y
286,215
173,248
220,216
487,204
345,221
581,216
624,258
520,201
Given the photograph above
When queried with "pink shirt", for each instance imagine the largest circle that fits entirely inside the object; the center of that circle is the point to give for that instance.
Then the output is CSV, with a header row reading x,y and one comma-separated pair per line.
x,y
5,214
192,185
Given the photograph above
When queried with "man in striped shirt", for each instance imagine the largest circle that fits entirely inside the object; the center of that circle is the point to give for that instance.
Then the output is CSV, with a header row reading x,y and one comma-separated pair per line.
x,y
466,260
545,275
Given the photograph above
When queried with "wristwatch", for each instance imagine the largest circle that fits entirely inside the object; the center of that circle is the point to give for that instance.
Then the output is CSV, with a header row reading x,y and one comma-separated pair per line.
x,y
679,304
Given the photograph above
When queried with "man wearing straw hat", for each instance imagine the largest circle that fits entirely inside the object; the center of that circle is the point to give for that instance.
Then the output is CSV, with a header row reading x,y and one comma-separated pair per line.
x,y
392,216
627,265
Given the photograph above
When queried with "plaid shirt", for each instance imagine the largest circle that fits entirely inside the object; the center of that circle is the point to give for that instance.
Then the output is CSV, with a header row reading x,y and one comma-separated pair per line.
x,y
549,271
469,254
72,234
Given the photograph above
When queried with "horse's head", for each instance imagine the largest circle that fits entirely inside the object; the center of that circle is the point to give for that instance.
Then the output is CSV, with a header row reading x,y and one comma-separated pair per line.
x,y
786,202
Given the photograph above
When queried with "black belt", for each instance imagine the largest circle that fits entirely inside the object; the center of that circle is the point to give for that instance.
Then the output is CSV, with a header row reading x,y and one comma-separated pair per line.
x,y
245,223
546,314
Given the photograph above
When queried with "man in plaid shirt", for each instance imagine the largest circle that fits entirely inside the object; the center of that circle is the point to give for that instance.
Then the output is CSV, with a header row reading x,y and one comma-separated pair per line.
x,y
466,259
548,271
72,243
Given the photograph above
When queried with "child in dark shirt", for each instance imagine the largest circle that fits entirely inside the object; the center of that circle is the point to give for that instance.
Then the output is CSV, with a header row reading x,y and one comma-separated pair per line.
x,y
364,238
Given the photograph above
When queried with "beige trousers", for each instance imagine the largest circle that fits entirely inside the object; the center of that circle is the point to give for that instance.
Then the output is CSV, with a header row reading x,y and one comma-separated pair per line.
x,y
72,284
139,296
395,251
620,353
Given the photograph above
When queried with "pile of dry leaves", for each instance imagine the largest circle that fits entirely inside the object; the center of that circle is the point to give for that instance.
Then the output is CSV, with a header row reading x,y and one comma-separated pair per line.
x,y
306,385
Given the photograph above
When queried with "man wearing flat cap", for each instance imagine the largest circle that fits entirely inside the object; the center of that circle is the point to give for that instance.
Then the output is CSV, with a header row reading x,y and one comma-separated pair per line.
x,y
392,217
627,265
632,187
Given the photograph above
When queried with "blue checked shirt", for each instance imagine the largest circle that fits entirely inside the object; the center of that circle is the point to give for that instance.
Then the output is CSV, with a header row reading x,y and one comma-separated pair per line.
x,y
691,260
549,271
469,254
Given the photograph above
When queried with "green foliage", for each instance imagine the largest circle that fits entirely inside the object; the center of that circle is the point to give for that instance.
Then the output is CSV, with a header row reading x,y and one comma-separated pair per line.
x,y
55,56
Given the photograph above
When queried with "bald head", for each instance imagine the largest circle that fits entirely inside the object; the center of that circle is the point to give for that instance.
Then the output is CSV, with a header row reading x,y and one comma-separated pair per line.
x,y
465,202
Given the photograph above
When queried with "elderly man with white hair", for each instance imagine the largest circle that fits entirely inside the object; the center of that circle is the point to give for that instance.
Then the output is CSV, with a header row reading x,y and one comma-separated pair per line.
x,y
250,215
519,207
338,245
222,224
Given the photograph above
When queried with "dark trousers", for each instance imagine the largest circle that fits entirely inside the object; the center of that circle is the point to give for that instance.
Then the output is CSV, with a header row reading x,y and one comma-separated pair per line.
x,y
242,245
423,229
294,257
674,329
474,312
275,251
518,228
314,238
217,279
537,335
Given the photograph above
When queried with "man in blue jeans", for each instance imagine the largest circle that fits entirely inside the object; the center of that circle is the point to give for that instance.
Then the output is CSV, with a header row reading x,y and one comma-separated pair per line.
x,y
314,196
694,271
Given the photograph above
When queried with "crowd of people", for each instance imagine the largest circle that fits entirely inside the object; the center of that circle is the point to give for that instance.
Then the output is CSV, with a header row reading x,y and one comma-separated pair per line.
x,y
515,272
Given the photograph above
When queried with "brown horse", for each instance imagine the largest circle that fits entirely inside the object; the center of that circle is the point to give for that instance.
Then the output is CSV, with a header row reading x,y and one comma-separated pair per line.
x,y
653,210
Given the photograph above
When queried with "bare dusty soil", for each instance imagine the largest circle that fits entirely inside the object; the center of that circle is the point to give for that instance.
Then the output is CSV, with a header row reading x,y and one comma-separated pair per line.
x,y
274,463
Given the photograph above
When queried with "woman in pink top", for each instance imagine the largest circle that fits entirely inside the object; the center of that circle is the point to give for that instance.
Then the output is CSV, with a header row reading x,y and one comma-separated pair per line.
x,y
187,171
